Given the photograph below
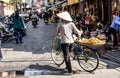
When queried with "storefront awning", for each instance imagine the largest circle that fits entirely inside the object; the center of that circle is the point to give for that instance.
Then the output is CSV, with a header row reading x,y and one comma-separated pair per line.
x,y
52,6
51,1
71,2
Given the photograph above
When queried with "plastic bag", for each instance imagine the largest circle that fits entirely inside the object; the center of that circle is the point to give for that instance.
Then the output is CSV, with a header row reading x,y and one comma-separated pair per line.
x,y
56,44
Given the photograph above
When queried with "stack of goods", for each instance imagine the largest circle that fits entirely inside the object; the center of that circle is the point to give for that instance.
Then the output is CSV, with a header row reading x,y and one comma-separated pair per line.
x,y
91,42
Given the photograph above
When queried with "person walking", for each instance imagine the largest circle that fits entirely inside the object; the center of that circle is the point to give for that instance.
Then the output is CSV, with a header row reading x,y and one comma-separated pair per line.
x,y
66,28
18,28
114,27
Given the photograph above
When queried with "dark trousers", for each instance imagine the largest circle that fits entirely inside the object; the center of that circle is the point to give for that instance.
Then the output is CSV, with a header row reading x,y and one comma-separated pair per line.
x,y
18,33
1,54
0,50
66,48
114,33
108,36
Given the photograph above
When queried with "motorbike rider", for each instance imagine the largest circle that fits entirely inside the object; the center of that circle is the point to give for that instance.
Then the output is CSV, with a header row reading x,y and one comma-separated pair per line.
x,y
34,15
35,19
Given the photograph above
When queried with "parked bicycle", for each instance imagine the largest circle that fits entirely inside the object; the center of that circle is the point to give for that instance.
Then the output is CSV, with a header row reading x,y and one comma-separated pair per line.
x,y
86,56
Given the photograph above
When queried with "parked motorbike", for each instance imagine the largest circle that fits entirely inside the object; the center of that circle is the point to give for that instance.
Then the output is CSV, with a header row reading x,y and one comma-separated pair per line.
x,y
34,22
8,36
7,32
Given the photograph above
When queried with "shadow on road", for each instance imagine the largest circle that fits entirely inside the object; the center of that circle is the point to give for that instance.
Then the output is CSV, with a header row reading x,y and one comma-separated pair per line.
x,y
50,70
111,57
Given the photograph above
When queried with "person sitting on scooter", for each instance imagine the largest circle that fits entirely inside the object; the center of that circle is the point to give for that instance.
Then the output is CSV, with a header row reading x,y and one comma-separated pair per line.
x,y
34,18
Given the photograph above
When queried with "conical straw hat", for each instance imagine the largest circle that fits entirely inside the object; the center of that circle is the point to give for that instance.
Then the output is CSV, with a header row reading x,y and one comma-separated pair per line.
x,y
65,16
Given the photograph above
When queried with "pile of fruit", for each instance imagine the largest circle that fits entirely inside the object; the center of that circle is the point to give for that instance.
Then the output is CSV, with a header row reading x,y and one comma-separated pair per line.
x,y
91,41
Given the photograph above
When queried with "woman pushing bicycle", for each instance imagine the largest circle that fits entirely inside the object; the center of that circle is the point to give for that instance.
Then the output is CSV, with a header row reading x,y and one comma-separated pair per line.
x,y
66,28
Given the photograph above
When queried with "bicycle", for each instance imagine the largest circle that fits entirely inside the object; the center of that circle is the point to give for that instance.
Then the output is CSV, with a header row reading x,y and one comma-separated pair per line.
x,y
86,56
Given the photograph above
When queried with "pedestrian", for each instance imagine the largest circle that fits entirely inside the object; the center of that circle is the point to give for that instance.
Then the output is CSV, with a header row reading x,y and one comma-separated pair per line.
x,y
114,27
18,28
66,28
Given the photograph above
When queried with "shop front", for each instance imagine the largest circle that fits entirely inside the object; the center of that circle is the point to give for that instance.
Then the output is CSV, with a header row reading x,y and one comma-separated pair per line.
x,y
2,8
73,7
101,9
115,5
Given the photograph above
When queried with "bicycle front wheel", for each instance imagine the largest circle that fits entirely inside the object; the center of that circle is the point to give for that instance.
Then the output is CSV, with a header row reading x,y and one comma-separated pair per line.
x,y
89,60
57,57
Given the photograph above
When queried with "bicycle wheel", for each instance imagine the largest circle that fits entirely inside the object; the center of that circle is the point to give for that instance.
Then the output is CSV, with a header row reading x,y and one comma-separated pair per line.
x,y
57,57
89,60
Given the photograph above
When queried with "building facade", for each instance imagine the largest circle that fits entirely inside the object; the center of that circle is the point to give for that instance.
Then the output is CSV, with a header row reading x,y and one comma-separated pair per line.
x,y
6,8
2,8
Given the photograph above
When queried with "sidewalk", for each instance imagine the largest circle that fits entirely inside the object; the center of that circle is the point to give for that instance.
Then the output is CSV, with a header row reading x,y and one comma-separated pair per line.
x,y
108,73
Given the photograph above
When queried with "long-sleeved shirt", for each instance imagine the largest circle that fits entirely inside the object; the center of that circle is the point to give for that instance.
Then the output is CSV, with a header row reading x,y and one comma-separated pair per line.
x,y
66,31
34,16
116,22
18,23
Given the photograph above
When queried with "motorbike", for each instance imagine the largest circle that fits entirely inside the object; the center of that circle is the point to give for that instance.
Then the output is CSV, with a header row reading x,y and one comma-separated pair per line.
x,y
46,21
34,22
8,36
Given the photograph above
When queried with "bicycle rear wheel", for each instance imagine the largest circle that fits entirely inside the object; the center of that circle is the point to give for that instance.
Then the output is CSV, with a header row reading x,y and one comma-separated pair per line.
x,y
57,57
89,60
